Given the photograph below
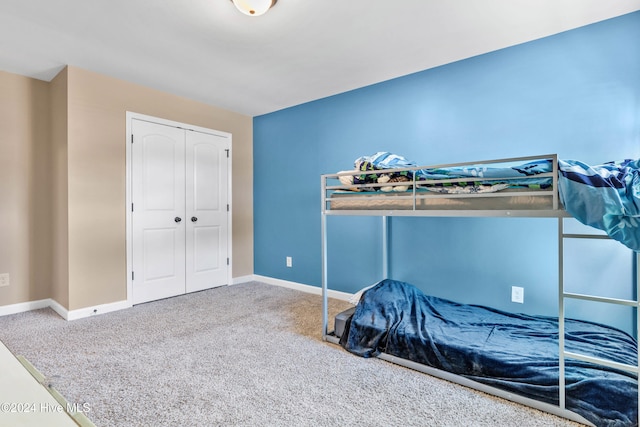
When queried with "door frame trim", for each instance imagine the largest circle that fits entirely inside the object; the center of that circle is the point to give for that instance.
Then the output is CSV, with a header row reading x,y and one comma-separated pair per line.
x,y
130,116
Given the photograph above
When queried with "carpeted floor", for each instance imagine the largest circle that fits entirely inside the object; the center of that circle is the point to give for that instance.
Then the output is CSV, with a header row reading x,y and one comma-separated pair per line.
x,y
244,355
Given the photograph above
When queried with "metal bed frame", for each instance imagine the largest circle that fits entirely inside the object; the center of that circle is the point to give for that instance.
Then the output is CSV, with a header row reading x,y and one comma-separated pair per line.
x,y
554,211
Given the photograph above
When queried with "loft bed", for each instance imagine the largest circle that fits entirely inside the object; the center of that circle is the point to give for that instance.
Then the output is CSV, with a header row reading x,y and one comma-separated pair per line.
x,y
580,370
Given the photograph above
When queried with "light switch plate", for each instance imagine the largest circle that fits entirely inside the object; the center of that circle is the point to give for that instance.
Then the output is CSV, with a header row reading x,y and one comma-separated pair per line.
x,y
517,294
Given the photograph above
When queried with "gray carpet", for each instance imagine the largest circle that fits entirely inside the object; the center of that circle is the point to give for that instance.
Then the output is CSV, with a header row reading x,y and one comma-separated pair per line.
x,y
244,355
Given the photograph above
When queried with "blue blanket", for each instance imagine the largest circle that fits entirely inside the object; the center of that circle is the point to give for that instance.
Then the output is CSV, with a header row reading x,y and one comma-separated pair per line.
x,y
514,352
605,196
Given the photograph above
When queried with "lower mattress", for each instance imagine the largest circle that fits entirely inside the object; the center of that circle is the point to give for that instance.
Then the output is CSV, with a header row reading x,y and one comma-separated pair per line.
x,y
513,352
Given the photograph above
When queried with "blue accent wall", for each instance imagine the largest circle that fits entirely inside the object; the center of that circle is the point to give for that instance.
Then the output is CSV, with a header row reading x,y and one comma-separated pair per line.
x,y
576,94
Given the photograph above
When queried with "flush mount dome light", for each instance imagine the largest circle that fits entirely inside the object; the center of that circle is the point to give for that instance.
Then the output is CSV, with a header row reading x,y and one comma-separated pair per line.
x,y
254,7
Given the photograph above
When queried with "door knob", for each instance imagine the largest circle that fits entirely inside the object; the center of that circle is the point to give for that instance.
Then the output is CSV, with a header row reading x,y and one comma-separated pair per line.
x,y
194,219
177,219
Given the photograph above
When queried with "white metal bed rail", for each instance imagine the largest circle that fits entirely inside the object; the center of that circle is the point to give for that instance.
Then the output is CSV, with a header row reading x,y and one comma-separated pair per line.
x,y
563,296
416,193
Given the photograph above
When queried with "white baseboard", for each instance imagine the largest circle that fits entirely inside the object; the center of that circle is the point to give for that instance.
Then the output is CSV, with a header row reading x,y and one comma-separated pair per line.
x,y
243,279
58,308
6,310
63,312
301,287
81,313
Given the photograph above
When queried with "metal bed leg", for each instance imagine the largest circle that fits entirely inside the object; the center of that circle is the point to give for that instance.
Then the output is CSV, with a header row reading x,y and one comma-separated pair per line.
x,y
561,364
385,247
325,301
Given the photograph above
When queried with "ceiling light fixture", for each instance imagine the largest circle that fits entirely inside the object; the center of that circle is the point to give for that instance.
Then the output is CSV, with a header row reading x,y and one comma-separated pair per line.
x,y
254,7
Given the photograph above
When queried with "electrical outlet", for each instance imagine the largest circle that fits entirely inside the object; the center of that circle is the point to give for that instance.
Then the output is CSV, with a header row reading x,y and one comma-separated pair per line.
x,y
289,261
4,280
517,294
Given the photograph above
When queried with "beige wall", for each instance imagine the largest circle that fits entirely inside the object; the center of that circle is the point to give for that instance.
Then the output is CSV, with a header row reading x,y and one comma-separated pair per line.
x,y
59,184
86,246
25,232
96,144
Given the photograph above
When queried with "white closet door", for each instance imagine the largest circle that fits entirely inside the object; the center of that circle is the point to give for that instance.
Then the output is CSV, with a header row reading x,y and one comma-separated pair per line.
x,y
207,210
158,223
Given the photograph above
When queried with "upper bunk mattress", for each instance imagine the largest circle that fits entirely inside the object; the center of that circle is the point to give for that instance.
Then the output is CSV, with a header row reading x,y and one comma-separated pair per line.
x,y
505,200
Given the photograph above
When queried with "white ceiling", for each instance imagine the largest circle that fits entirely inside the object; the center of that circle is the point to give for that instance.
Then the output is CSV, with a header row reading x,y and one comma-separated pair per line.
x,y
299,51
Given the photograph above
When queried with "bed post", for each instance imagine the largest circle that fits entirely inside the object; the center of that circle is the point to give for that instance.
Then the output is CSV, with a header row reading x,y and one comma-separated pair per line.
x,y
555,187
561,355
385,247
323,232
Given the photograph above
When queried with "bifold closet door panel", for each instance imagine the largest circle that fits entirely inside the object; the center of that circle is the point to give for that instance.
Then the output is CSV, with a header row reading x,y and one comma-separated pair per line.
x,y
158,217
206,210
